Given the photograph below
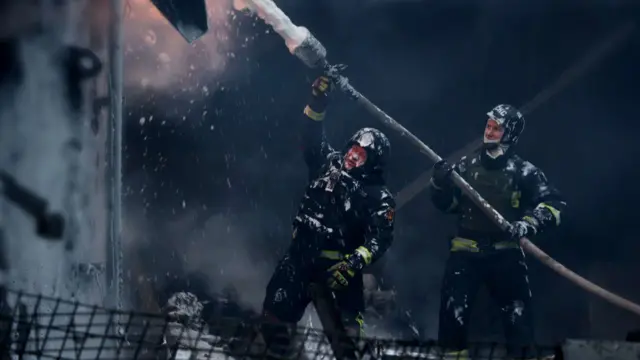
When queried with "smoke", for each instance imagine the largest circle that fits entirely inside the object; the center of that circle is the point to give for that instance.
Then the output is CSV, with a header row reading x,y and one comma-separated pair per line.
x,y
225,251
416,251
222,249
158,57
171,239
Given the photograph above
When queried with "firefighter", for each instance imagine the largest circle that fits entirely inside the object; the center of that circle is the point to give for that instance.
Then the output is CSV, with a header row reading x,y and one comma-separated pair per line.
x,y
481,253
344,224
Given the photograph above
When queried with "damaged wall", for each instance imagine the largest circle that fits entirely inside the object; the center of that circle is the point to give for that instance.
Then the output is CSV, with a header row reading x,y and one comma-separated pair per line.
x,y
49,144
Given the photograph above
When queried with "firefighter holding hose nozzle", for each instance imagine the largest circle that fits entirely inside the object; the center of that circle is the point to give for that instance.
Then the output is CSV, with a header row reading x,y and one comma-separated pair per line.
x,y
343,225
481,253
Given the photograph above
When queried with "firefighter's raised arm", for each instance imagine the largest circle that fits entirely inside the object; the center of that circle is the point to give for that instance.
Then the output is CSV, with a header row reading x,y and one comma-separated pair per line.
x,y
314,144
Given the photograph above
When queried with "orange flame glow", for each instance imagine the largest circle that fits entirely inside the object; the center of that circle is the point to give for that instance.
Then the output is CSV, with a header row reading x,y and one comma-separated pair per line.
x,y
157,56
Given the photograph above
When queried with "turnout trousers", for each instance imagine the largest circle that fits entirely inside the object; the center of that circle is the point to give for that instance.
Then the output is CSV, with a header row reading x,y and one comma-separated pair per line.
x,y
288,295
504,272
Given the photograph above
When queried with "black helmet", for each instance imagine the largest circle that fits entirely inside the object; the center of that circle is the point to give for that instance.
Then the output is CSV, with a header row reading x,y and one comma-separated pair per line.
x,y
511,120
375,144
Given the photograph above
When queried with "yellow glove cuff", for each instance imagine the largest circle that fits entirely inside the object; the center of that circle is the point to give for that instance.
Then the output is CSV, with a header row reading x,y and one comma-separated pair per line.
x,y
365,253
531,220
555,212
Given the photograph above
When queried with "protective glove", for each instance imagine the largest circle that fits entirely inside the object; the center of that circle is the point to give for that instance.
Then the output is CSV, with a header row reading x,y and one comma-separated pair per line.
x,y
342,272
319,98
441,177
522,228
321,87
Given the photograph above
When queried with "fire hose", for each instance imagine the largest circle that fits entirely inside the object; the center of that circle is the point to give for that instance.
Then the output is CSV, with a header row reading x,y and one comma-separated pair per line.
x,y
312,53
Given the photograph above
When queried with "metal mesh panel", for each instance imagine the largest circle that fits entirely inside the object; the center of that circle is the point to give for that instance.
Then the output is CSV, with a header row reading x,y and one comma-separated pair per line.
x,y
40,327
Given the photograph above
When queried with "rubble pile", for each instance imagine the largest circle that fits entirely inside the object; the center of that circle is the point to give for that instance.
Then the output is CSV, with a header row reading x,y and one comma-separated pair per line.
x,y
186,335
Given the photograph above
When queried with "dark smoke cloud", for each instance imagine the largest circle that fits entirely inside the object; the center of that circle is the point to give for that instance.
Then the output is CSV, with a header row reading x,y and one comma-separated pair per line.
x,y
225,251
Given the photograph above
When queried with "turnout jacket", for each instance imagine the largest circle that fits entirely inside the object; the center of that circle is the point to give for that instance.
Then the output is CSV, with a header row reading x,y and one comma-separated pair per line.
x,y
342,210
514,187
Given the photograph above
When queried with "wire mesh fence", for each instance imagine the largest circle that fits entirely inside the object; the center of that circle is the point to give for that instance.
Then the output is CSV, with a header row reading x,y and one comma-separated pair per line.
x,y
41,327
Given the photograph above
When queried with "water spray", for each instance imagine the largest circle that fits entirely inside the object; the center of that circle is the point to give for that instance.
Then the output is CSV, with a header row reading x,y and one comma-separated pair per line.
x,y
306,47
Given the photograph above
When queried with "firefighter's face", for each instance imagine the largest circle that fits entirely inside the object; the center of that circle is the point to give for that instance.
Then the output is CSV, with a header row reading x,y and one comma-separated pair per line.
x,y
493,131
355,157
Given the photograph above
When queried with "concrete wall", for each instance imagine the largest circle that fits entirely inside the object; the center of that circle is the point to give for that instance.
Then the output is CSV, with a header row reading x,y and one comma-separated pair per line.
x,y
50,146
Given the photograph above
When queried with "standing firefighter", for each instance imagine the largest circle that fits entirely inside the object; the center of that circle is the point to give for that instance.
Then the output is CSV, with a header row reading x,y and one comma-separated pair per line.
x,y
480,251
344,223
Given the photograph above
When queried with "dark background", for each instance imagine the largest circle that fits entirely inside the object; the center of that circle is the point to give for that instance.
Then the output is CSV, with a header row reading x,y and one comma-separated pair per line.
x,y
221,169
